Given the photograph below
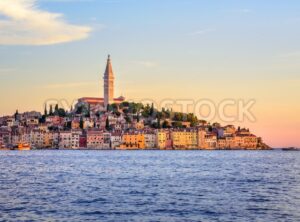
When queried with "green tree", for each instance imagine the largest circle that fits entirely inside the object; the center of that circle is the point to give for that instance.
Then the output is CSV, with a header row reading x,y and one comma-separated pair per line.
x,y
88,114
192,119
177,124
69,124
128,119
16,115
115,107
79,109
81,123
178,117
165,124
42,119
125,104
45,110
98,114
51,111
107,126
151,110
56,109
61,112
126,111
158,123
146,111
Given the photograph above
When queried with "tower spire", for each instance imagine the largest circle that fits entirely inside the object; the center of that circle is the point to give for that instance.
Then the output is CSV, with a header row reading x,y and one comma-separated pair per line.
x,y
108,83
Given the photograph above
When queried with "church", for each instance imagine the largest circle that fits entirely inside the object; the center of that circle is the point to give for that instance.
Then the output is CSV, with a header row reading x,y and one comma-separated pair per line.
x,y
101,103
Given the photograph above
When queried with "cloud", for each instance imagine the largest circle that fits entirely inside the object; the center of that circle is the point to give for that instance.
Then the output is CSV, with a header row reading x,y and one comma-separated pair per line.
x,y
240,11
2,70
25,24
244,10
148,64
201,32
290,55
69,85
68,1
6,71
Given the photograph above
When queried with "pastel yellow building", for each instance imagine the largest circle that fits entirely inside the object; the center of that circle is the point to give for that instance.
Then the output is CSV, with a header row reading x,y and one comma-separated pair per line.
x,y
161,139
133,141
48,140
221,143
230,142
250,142
201,139
186,139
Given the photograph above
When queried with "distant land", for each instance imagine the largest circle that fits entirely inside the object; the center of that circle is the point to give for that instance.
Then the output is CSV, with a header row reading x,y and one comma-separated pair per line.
x,y
113,123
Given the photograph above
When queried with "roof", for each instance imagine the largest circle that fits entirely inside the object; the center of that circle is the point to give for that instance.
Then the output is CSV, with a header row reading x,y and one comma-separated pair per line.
x,y
95,100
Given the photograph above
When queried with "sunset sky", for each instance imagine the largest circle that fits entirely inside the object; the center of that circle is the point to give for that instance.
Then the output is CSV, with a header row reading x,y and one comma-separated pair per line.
x,y
160,49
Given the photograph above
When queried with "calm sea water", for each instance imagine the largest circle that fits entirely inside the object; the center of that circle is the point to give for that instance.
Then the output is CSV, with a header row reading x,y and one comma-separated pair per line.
x,y
150,186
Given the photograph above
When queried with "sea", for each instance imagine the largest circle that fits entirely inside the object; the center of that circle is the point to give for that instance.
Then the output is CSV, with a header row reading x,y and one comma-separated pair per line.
x,y
63,185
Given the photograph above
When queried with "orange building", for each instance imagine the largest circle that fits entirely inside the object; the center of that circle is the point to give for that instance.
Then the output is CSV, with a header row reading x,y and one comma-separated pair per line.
x,y
134,140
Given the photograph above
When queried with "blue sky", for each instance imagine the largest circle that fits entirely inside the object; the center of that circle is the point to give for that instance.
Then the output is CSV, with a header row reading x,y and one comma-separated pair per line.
x,y
160,49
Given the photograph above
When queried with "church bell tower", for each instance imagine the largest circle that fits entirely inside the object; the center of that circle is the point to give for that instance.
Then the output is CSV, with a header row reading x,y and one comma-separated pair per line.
x,y
108,83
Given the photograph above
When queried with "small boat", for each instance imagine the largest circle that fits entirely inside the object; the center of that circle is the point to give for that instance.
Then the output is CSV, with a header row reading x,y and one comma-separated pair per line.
x,y
290,149
24,146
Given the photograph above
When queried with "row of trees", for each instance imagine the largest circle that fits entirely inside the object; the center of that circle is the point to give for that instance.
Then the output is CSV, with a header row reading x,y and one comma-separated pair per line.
x,y
137,110
55,112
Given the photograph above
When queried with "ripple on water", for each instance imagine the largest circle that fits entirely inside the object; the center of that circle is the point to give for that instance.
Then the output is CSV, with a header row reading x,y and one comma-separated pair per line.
x,y
150,186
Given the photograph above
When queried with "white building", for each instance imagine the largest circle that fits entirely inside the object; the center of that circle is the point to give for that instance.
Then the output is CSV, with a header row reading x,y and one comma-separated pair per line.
x,y
106,140
150,140
116,140
65,139
37,138
94,139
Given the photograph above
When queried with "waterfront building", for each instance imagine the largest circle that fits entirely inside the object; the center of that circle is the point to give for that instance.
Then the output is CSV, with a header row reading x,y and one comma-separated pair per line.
x,y
133,140
95,139
75,139
5,137
37,138
230,141
161,139
210,141
106,140
82,141
150,140
48,140
247,141
70,139
201,133
116,140
65,139
186,138
221,144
